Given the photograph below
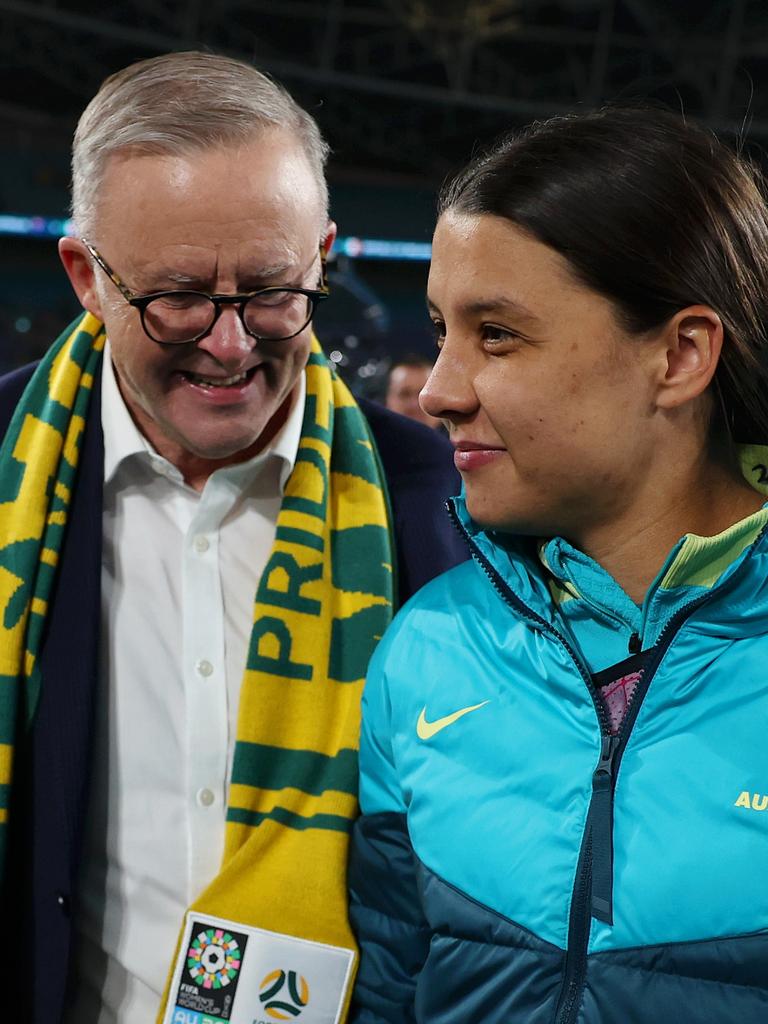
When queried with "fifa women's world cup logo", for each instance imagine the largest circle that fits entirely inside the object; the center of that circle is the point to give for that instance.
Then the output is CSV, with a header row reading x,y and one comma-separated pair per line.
x,y
213,960
284,994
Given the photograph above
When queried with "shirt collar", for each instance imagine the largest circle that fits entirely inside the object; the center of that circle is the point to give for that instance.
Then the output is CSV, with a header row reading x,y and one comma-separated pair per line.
x,y
123,440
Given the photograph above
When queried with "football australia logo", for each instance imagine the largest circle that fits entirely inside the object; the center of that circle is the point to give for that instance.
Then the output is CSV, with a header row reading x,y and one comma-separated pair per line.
x,y
284,994
752,801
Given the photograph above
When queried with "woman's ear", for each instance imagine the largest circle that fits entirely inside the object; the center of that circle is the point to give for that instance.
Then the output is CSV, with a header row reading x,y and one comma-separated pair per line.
x,y
693,341
79,267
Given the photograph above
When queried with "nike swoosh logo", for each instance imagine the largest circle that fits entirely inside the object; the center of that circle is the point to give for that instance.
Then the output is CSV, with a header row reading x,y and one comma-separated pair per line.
x,y
426,730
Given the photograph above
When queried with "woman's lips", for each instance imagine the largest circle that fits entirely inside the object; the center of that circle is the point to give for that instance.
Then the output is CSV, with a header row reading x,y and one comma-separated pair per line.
x,y
469,455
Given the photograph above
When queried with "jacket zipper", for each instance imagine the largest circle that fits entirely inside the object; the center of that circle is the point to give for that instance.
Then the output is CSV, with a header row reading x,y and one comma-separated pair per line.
x,y
592,894
600,826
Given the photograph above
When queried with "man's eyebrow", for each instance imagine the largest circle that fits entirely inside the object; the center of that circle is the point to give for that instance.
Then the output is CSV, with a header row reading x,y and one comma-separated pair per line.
x,y
262,274
493,304
274,271
180,278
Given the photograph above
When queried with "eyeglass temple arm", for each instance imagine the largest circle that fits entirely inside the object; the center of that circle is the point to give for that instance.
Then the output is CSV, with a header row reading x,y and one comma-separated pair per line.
x,y
124,290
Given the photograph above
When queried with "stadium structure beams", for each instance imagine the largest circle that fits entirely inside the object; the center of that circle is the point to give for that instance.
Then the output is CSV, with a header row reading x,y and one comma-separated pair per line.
x,y
410,83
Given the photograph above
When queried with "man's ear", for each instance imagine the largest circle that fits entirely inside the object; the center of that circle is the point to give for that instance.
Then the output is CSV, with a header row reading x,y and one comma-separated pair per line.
x,y
330,237
693,341
79,267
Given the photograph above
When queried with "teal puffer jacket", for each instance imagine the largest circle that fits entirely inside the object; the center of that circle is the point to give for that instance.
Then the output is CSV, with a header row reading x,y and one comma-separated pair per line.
x,y
516,863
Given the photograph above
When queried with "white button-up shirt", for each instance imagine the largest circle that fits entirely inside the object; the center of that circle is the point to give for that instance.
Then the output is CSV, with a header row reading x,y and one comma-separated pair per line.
x,y
179,576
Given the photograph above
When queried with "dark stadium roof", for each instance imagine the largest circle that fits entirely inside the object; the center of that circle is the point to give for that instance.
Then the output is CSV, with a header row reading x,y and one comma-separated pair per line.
x,y
406,86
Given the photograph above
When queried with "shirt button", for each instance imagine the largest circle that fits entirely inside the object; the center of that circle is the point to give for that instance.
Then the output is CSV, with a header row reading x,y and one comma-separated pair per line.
x,y
204,668
205,797
201,544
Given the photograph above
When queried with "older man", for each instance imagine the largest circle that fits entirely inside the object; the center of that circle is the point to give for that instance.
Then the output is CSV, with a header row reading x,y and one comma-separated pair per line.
x,y
201,540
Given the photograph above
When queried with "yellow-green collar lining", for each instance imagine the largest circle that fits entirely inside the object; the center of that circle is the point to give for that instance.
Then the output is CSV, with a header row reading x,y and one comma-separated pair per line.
x,y
701,561
698,561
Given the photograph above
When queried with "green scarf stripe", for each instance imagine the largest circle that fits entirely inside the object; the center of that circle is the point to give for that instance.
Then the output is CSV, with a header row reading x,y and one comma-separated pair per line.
x,y
292,535
7,726
328,822
268,767
391,538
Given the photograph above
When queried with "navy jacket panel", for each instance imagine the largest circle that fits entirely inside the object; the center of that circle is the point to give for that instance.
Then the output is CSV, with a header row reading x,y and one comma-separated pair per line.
x,y
53,765
386,984
52,769
434,955
709,982
420,933
11,389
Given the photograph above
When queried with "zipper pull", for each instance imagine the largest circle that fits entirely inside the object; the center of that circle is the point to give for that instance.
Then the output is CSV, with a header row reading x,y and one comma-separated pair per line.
x,y
604,771
601,825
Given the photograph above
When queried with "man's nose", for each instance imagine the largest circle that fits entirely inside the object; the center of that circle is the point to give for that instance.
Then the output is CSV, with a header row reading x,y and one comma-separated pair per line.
x,y
228,342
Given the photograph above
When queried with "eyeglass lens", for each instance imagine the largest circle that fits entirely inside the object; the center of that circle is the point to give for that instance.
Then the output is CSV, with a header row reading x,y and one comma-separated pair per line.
x,y
181,316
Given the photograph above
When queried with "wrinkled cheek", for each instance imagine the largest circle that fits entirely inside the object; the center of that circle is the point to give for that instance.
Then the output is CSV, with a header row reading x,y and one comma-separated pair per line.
x,y
141,365
154,387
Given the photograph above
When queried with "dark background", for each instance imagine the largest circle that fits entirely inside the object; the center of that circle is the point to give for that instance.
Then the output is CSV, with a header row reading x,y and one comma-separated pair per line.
x,y
402,89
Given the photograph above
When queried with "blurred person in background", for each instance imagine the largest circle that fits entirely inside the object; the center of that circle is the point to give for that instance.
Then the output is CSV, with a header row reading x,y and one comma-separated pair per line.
x,y
406,379
200,548
564,759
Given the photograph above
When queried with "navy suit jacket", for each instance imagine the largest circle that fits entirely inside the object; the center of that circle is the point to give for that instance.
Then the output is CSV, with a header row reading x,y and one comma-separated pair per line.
x,y
52,768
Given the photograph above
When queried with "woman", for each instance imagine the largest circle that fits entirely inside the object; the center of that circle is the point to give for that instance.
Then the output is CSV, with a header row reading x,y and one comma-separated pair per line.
x,y
565,753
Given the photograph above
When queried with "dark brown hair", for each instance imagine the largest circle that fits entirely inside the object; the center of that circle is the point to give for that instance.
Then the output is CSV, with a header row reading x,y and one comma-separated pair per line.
x,y
652,212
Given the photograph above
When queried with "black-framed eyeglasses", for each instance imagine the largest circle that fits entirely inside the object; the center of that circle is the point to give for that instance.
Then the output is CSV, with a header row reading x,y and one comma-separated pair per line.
x,y
184,316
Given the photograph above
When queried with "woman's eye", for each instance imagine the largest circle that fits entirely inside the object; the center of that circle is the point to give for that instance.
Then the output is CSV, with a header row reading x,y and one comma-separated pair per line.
x,y
438,332
497,335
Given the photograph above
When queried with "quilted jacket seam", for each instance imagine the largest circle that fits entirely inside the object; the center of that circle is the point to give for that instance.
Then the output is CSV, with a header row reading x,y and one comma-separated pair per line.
x,y
552,952
373,912
691,978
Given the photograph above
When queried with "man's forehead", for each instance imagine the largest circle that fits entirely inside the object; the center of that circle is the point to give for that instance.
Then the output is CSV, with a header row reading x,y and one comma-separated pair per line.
x,y
217,197
271,164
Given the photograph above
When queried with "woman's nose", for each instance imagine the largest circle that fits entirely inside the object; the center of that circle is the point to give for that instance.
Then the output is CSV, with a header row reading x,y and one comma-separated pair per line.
x,y
448,393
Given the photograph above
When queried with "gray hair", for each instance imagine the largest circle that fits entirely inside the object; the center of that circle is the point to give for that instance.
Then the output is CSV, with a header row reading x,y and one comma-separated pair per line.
x,y
177,104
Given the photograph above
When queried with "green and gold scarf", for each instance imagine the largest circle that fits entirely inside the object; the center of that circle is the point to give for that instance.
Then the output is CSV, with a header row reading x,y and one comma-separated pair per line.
x,y
323,601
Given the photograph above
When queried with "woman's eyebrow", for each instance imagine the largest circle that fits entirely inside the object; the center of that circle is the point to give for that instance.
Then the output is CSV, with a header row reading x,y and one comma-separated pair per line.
x,y
492,304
